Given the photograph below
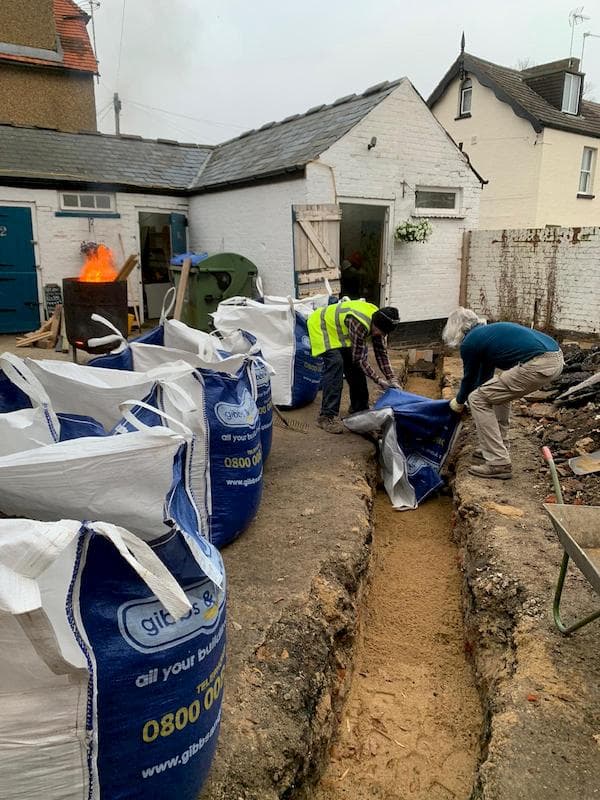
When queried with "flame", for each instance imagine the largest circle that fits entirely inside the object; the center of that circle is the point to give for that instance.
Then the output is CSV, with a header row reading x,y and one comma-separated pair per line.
x,y
99,266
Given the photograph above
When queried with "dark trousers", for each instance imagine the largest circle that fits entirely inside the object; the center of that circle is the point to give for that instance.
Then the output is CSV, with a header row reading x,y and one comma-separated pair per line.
x,y
337,364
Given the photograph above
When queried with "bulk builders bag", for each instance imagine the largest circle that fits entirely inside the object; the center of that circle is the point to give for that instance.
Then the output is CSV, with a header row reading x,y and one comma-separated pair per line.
x,y
281,333
111,663
92,392
176,335
27,419
417,434
217,401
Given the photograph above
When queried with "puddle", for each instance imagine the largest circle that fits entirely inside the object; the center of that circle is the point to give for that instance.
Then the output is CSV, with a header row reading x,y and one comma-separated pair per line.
x,y
412,720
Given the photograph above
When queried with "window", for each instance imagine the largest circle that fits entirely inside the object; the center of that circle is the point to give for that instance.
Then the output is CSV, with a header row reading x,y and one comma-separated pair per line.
x,y
466,95
439,199
571,92
586,175
85,201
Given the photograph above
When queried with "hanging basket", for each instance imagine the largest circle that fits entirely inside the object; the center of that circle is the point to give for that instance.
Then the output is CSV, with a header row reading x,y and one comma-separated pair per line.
x,y
409,231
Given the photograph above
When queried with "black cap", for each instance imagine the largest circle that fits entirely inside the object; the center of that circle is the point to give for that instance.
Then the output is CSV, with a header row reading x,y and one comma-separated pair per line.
x,y
386,319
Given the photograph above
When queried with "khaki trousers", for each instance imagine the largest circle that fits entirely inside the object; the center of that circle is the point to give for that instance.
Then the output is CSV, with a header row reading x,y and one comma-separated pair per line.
x,y
490,403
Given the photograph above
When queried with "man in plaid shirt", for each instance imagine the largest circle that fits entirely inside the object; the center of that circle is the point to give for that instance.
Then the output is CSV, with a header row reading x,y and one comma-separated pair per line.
x,y
339,334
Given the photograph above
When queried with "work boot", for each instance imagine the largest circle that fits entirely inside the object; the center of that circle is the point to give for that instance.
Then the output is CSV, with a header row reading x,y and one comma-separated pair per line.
x,y
501,472
330,424
477,455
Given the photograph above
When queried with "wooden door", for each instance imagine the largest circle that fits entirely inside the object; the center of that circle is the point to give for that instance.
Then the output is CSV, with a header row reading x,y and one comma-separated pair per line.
x,y
19,302
316,248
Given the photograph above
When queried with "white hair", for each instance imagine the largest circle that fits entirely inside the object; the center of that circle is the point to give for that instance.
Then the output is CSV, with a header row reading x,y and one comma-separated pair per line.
x,y
459,324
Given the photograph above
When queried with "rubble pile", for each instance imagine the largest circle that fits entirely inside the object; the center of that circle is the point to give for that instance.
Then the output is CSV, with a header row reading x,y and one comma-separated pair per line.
x,y
566,417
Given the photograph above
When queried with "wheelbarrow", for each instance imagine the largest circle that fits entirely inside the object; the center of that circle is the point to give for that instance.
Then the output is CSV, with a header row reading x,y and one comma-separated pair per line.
x,y
578,529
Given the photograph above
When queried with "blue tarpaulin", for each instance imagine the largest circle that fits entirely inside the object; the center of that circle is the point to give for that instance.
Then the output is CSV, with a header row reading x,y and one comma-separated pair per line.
x,y
195,258
417,434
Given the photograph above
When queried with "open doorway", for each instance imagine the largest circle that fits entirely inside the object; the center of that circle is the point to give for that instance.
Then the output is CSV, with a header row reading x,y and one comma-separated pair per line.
x,y
362,238
161,237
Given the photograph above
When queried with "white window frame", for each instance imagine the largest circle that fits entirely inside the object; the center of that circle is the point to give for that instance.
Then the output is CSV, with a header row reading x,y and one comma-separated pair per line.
x,y
466,90
88,208
587,170
571,93
433,211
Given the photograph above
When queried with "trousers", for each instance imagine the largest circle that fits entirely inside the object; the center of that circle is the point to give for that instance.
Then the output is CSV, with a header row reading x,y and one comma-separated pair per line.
x,y
490,403
337,364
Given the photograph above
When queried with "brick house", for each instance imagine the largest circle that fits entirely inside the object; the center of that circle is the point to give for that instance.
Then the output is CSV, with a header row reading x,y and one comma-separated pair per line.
x,y
530,133
47,65
296,197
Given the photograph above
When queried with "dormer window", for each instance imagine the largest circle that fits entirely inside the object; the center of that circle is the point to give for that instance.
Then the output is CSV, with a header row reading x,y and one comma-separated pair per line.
x,y
466,95
571,93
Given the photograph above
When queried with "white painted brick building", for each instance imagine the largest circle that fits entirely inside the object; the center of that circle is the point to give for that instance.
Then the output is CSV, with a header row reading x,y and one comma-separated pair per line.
x,y
412,151
297,198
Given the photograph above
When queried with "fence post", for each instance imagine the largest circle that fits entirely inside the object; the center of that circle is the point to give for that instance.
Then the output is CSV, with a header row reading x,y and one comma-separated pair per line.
x,y
464,268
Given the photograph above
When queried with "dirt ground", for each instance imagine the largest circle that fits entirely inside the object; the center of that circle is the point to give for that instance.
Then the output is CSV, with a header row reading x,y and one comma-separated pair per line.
x,y
412,721
540,689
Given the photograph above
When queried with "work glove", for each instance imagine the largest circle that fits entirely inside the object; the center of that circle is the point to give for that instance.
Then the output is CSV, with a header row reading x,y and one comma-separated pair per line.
x,y
457,407
394,384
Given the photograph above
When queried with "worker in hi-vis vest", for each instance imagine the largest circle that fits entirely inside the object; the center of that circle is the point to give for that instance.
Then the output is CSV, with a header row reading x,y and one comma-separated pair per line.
x,y
339,334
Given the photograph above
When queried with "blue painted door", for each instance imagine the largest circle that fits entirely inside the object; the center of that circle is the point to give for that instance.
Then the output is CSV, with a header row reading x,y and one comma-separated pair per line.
x,y
178,234
19,304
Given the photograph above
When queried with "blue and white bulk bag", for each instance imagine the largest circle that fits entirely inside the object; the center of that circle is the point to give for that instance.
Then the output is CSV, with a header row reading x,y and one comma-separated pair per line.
x,y
226,461
120,357
34,423
417,434
244,342
126,480
111,663
89,391
312,301
170,333
281,333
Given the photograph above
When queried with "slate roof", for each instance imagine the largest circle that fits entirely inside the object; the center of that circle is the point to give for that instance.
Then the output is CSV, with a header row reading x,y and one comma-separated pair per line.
x,y
39,156
287,146
77,53
509,86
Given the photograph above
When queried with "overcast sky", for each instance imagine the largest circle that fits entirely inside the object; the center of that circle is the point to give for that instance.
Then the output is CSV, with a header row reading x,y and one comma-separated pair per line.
x,y
232,65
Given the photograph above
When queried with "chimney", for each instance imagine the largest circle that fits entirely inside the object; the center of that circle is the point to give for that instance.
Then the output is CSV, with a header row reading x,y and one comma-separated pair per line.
x,y
558,82
28,23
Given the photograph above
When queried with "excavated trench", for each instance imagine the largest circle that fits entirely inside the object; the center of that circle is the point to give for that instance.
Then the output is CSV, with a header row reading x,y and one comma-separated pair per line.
x,y
412,720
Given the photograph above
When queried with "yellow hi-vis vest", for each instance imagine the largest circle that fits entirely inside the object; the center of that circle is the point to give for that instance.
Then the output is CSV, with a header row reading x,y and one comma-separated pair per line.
x,y
327,326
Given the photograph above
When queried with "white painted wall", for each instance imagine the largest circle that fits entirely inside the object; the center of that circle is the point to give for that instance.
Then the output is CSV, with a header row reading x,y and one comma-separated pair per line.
x,y
533,178
509,270
412,150
58,238
503,148
254,221
558,203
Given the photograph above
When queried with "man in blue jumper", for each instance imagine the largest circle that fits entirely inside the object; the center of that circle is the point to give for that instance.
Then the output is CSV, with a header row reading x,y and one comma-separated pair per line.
x,y
528,359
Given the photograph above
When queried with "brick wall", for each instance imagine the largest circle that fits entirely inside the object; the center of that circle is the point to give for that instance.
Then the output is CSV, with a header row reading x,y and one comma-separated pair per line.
x,y
58,238
548,277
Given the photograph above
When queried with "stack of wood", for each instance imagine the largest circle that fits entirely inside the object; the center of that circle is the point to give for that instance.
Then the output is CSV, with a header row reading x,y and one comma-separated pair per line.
x,y
47,335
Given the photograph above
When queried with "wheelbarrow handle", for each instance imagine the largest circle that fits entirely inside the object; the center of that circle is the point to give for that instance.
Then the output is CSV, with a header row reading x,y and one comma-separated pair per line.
x,y
548,458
